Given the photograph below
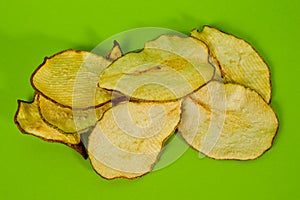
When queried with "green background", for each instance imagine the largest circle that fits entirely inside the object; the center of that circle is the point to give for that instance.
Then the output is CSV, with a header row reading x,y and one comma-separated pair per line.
x,y
33,169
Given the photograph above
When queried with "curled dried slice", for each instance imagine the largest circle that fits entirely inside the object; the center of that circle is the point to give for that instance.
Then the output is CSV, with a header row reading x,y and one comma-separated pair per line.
x,y
239,62
168,68
228,122
29,121
128,140
70,120
59,76
76,120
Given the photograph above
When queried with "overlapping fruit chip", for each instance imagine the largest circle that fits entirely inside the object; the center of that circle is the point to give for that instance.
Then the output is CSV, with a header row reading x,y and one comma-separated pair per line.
x,y
59,76
72,120
168,68
228,122
239,62
55,123
29,121
129,138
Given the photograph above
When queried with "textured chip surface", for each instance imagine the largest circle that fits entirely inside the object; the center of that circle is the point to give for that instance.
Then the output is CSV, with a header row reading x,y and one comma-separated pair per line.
x,y
70,120
228,122
59,76
239,62
168,68
128,140
29,121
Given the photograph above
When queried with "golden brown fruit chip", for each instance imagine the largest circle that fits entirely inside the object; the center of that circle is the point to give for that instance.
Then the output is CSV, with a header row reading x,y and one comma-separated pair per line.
x,y
128,140
76,120
168,68
239,62
70,120
59,76
29,121
228,122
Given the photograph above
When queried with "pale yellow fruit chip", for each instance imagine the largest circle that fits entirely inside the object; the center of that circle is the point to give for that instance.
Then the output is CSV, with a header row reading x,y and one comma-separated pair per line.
x,y
29,121
70,78
228,122
129,138
239,62
168,68
70,120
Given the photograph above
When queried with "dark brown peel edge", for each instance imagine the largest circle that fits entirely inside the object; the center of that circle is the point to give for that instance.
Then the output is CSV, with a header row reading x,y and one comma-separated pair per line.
x,y
77,147
222,72
108,55
267,149
45,96
157,158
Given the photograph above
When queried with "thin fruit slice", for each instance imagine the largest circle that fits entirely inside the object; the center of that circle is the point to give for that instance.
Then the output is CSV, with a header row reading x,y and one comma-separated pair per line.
x,y
168,68
29,121
128,140
59,76
76,120
239,62
70,120
228,122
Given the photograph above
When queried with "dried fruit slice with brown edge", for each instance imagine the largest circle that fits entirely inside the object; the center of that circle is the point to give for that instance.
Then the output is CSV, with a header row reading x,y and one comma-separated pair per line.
x,y
75,120
228,122
127,141
70,120
239,62
168,68
29,121
56,78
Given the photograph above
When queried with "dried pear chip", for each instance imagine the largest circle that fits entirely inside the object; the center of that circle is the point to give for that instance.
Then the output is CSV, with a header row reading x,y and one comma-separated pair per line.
x,y
168,68
70,120
239,61
29,121
128,140
57,77
76,120
228,122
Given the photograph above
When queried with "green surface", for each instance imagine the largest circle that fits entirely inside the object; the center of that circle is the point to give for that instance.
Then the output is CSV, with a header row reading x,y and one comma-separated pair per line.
x,y
33,169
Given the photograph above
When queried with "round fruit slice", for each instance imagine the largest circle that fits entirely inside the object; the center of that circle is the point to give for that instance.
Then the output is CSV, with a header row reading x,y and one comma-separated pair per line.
x,y
228,122
168,68
239,62
129,138
29,121
71,120
60,74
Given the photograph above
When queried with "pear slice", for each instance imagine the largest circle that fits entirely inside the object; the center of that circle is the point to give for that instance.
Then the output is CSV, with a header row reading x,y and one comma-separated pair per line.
x,y
59,76
74,120
168,68
239,62
228,122
29,121
70,120
127,141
